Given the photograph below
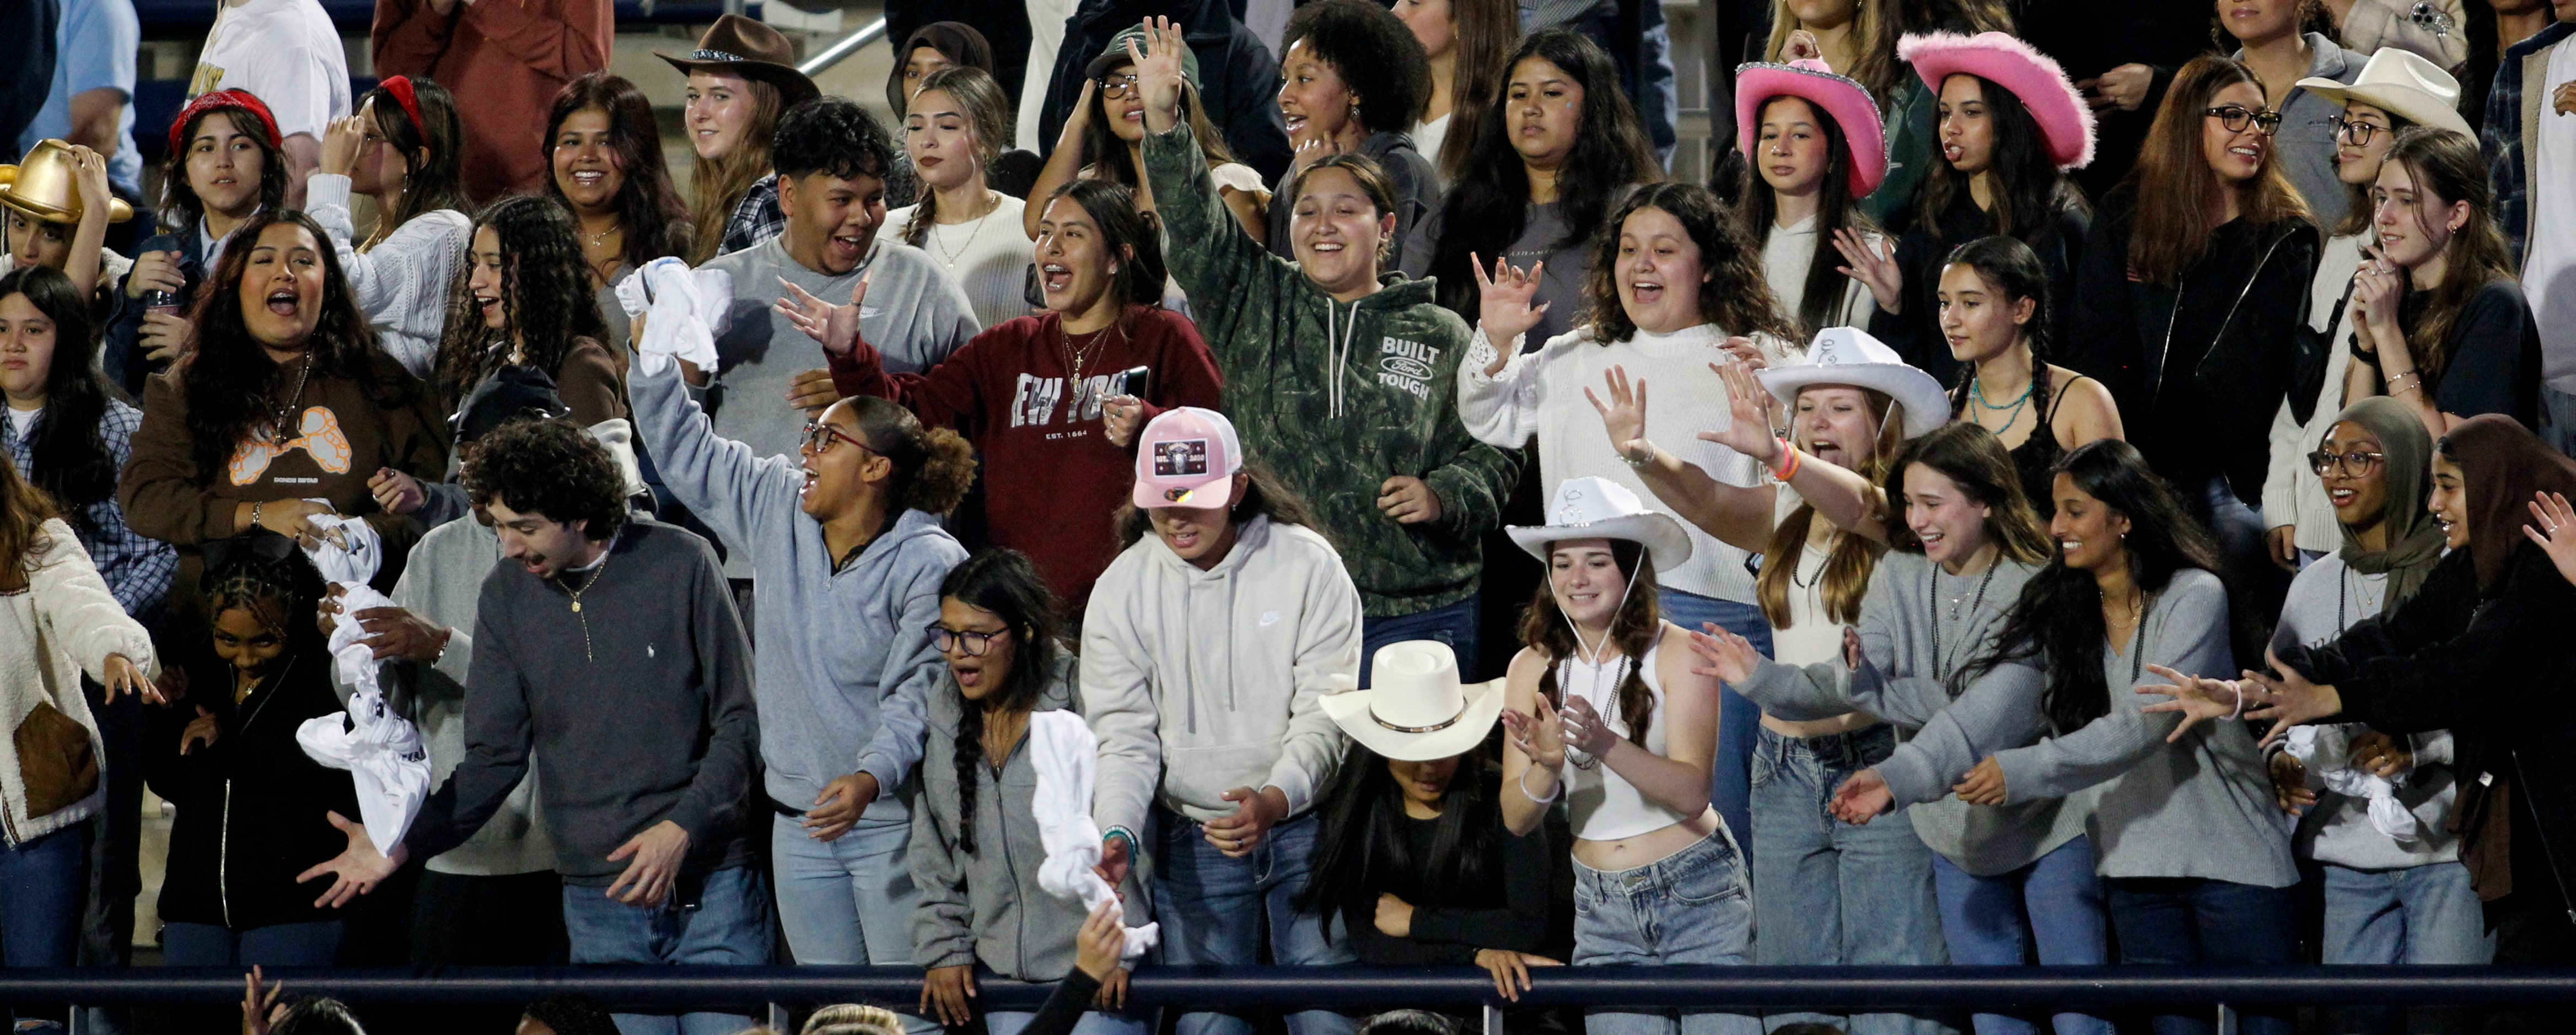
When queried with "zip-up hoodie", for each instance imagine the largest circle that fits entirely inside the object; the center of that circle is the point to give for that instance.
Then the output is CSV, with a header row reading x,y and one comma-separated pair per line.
x,y
1199,682
1336,398
63,622
841,657
252,805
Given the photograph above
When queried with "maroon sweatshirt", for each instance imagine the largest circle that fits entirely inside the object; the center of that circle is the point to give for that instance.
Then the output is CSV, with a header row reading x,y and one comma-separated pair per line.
x,y
1052,480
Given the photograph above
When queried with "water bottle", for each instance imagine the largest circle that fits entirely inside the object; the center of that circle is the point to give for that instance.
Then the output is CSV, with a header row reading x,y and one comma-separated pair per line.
x,y
164,302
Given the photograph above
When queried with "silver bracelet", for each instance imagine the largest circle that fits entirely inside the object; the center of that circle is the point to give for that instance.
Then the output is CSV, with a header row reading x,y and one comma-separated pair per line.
x,y
1551,795
1640,463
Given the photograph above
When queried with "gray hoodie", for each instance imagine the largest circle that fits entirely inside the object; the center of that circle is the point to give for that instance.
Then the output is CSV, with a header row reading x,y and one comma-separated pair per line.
x,y
841,656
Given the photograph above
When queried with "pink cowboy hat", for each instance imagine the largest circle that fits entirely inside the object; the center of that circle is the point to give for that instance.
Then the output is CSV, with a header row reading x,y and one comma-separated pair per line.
x,y
2064,120
1845,100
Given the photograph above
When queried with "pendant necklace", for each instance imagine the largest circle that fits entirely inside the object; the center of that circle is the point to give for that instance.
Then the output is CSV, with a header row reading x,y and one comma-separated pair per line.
x,y
586,587
1933,593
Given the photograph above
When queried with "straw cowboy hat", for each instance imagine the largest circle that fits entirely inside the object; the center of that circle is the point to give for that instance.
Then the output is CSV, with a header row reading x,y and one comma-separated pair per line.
x,y
42,187
1598,508
2405,85
1418,711
2065,121
741,46
1849,356
1844,99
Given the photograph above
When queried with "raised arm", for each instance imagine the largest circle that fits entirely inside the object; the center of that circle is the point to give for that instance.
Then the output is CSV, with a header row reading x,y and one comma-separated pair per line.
x,y
718,479
1738,516
1062,164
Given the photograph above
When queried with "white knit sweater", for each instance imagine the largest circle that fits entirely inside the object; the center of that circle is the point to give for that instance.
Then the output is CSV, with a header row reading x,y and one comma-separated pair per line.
x,y
63,623
401,283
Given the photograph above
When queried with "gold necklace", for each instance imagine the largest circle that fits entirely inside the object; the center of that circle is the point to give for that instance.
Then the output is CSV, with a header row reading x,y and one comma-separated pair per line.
x,y
586,587
1076,360
286,410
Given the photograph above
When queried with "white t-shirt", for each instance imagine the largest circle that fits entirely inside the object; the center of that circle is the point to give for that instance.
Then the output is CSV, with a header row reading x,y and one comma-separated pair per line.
x,y
22,421
286,53
2549,267
1785,255
989,257
1427,138
1811,638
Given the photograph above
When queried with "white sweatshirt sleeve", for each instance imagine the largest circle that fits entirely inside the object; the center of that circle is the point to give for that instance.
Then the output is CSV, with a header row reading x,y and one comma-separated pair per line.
x,y
1501,410
1328,660
1116,692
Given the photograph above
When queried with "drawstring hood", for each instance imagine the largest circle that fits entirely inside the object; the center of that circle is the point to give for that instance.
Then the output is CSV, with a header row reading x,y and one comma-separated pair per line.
x,y
1339,346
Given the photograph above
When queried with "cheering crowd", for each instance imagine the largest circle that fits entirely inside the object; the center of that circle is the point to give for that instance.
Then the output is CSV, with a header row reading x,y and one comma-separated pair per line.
x,y
2070,490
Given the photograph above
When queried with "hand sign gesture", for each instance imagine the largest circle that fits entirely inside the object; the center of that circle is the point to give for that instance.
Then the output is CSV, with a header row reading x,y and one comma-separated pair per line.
x,y
2196,698
1748,403
835,326
1158,72
1624,416
1873,266
1503,301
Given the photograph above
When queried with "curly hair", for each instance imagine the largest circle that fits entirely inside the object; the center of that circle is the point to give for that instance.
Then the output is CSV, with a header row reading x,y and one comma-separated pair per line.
x,y
648,206
68,457
1637,625
552,468
1133,240
546,297
231,384
988,118
834,136
1004,583
433,153
1377,57
1733,294
180,206
933,467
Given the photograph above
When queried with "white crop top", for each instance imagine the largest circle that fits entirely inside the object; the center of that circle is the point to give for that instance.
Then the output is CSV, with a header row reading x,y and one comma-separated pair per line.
x,y
1811,638
1606,806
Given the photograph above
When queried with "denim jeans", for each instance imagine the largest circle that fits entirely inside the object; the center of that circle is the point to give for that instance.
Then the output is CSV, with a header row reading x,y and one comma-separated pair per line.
x,y
2197,921
1828,893
314,944
1095,1022
2418,914
721,919
41,895
1454,625
1215,911
2053,905
1691,907
1738,722
847,901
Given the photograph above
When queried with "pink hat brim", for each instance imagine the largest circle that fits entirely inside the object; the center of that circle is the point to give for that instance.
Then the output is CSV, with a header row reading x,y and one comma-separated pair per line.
x,y
1845,100
2065,121
1152,493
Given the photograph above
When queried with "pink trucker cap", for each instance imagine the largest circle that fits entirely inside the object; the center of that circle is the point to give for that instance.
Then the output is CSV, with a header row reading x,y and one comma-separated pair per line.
x,y
1187,458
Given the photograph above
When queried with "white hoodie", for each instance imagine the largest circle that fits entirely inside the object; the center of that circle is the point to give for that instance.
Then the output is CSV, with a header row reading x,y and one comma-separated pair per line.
x,y
1199,682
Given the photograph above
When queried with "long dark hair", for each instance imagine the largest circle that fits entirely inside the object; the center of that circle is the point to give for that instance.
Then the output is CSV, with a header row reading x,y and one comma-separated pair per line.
x,y
1489,206
1133,240
1975,461
23,511
1733,296
2445,168
1361,850
2357,203
1757,214
2177,190
1107,157
1487,32
545,295
1003,582
69,459
230,383
2057,624
433,152
2029,191
180,206
656,224
2012,272
1263,495
1639,623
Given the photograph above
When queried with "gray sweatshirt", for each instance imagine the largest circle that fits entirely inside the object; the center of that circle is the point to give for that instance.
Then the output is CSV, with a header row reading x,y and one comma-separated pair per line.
x,y
1910,643
843,652
2202,807
2327,598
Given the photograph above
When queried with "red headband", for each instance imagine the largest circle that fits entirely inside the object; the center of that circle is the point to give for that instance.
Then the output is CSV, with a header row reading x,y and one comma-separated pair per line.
x,y
400,87
219,99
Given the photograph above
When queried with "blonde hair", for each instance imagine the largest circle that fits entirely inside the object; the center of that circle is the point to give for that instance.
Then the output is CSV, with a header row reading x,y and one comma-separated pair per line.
x,y
717,185
1851,559
853,1019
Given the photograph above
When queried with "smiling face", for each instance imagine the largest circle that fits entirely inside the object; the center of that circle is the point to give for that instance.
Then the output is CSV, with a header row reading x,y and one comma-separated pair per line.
x,y
2360,499
281,287
1976,319
839,472
2236,155
586,167
1313,99
1659,272
1424,783
918,65
941,140
1791,152
1433,24
26,350
718,113
978,676
224,165
2414,224
1125,112
2258,21
2449,502
1584,576
2088,531
1967,125
831,222
483,279
34,242
1951,525
1833,422
1337,230
1542,112
2360,163
539,545
1074,263
245,642
1199,535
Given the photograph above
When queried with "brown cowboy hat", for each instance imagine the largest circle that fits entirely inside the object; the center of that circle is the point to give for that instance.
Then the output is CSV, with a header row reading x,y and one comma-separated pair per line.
x,y
736,45
41,187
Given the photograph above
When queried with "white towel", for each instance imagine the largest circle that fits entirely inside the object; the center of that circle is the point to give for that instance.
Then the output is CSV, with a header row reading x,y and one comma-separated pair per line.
x,y
683,308
381,750
1065,753
2387,814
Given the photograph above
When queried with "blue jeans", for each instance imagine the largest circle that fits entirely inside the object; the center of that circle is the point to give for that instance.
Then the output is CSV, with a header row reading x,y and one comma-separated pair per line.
x,y
2418,914
725,923
2195,921
2054,904
312,944
1214,911
1454,625
1691,907
1832,894
42,888
1096,1022
1738,721
848,901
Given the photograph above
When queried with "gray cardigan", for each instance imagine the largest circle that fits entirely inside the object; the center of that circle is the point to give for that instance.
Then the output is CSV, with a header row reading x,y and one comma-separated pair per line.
x,y
1900,680
2199,808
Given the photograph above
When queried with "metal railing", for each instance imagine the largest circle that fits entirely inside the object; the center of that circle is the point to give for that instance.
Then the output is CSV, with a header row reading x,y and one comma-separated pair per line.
x,y
843,48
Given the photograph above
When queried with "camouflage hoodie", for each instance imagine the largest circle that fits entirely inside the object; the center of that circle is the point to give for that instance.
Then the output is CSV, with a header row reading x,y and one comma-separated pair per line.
x,y
1335,398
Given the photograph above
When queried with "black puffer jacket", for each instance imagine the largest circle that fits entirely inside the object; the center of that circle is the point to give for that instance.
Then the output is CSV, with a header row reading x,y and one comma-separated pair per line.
x,y
252,806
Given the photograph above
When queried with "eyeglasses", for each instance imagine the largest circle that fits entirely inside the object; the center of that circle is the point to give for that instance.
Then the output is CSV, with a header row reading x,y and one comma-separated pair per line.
x,y
944,639
2236,118
1117,85
2354,132
819,436
2355,464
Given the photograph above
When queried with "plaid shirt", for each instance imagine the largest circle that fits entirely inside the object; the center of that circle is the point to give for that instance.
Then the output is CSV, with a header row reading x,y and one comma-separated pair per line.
x,y
2503,144
755,218
137,570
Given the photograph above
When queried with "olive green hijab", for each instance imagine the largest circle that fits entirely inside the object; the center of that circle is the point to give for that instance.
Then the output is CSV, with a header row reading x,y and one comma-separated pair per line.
x,y
2414,537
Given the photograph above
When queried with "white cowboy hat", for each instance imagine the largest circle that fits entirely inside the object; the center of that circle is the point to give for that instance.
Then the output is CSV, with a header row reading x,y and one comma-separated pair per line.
x,y
1418,711
2403,83
1849,356
1598,508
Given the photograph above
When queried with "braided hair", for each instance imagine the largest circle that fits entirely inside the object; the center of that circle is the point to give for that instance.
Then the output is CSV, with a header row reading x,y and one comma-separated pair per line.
x,y
2012,272
265,574
1637,626
1003,582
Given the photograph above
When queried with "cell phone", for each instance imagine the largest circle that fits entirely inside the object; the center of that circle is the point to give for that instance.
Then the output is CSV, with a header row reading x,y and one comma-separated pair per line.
x,y
1131,381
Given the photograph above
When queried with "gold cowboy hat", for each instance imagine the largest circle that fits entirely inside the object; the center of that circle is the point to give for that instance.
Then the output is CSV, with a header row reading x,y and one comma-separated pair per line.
x,y
41,187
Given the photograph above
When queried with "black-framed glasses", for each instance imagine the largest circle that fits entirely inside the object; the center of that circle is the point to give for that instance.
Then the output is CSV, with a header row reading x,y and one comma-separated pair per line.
x,y
2355,464
944,639
1117,85
2354,131
819,436
2236,117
